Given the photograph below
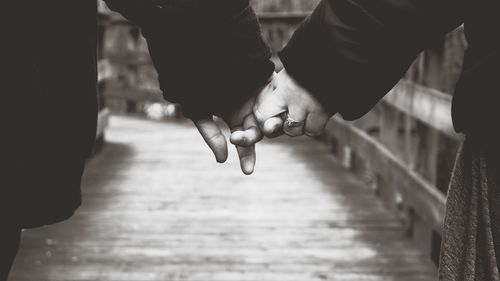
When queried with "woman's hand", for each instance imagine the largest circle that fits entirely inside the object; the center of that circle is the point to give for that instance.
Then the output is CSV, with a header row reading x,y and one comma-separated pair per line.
x,y
289,108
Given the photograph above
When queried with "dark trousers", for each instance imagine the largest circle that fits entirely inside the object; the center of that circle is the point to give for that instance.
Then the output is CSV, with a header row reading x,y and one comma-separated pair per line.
x,y
9,245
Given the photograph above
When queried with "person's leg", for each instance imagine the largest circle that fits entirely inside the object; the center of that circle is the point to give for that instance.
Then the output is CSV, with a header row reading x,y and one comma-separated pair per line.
x,y
10,237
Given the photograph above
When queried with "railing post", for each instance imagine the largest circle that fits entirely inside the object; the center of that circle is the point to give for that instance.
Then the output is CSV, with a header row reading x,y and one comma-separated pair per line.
x,y
427,149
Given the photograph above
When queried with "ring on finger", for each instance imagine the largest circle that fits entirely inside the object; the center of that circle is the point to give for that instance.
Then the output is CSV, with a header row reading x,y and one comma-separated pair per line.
x,y
292,123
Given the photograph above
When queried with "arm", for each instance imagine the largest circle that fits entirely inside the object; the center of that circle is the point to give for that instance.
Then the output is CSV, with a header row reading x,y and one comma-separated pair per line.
x,y
210,55
349,53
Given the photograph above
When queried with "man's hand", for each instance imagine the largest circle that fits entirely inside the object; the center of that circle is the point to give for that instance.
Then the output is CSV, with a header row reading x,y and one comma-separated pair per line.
x,y
244,128
289,109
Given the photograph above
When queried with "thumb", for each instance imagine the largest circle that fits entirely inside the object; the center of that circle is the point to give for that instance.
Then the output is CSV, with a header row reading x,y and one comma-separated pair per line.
x,y
214,138
269,105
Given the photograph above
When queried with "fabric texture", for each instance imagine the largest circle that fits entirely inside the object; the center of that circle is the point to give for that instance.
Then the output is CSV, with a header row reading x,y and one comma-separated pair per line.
x,y
50,108
471,235
210,56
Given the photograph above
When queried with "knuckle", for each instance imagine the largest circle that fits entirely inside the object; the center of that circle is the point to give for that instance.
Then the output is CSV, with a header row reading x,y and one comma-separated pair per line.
x,y
215,138
257,113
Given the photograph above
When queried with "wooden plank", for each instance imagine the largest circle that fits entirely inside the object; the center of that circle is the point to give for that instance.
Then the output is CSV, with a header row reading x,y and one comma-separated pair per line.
x,y
425,104
427,201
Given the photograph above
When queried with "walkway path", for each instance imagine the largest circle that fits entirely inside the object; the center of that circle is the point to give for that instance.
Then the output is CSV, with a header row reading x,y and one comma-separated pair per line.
x,y
158,207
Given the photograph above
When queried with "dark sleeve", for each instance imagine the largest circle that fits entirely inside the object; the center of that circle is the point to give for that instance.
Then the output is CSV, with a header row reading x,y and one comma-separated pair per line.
x,y
350,53
210,55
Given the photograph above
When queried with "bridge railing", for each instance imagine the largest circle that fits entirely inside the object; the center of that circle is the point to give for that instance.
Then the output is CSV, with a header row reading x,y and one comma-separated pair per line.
x,y
400,152
405,147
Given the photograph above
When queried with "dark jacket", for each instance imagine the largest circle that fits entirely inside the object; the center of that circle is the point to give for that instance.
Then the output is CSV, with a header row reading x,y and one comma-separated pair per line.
x,y
350,53
209,54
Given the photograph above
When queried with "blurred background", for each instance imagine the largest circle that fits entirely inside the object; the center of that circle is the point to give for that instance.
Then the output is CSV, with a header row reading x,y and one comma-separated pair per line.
x,y
412,125
363,202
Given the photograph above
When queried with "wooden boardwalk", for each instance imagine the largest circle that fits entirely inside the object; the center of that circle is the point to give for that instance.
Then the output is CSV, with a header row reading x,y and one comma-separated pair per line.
x,y
158,207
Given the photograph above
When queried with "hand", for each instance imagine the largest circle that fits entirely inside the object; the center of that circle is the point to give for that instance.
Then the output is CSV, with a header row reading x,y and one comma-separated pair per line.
x,y
289,101
244,128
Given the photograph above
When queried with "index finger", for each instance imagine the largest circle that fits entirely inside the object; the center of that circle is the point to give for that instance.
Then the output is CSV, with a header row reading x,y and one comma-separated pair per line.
x,y
269,105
